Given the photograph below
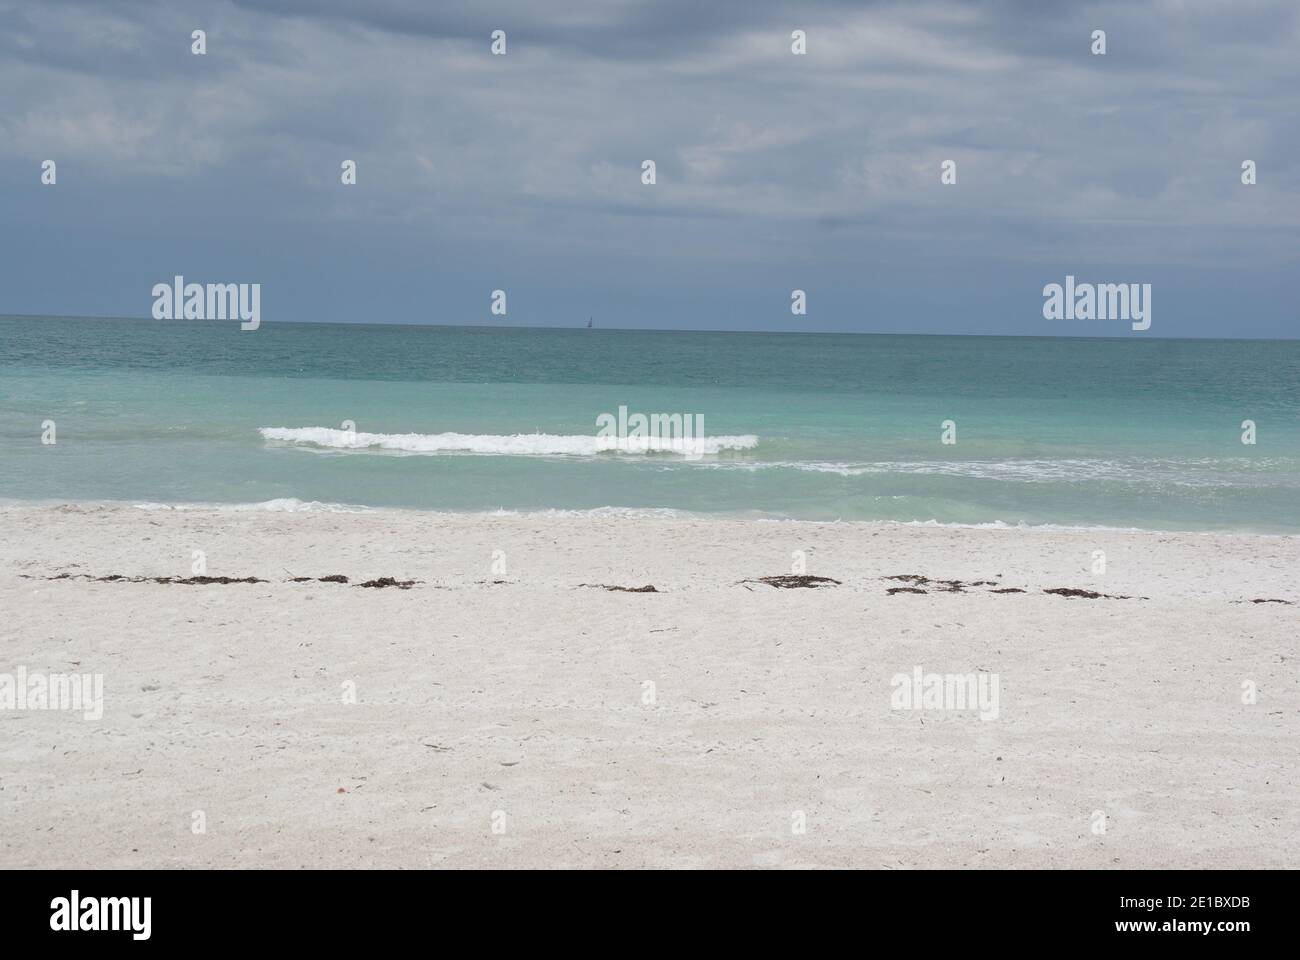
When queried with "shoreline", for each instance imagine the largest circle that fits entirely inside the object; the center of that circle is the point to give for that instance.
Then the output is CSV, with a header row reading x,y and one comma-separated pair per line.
x,y
522,677
295,505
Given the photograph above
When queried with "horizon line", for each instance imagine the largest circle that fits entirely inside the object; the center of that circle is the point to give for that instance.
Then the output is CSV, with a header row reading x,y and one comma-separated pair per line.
x,y
498,326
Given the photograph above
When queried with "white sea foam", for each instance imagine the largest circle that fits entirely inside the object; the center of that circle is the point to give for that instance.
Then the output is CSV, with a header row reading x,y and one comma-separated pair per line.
x,y
518,445
1176,472
278,505
609,512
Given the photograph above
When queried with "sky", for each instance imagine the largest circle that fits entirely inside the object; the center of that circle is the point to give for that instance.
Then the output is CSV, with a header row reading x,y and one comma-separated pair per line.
x,y
774,171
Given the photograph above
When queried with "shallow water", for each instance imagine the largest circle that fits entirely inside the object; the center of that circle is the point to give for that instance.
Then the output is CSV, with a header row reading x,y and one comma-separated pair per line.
x,y
1127,432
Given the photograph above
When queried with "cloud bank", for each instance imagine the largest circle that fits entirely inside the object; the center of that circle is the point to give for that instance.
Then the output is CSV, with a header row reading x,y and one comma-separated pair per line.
x,y
774,171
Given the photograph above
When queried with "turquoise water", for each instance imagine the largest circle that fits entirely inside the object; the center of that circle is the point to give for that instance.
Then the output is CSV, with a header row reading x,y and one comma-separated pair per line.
x,y
1127,432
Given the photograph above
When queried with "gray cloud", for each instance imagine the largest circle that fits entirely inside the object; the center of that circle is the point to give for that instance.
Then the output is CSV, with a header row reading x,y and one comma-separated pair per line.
x,y
829,160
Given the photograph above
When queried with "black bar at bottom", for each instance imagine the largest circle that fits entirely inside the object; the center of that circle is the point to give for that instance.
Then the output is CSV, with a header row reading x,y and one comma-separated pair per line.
x,y
341,910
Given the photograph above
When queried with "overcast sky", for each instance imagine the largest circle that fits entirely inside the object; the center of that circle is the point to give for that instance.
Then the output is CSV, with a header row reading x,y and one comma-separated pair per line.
x,y
775,171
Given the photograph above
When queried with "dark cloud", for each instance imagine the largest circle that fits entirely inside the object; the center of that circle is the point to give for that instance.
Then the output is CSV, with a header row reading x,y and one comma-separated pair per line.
x,y
603,29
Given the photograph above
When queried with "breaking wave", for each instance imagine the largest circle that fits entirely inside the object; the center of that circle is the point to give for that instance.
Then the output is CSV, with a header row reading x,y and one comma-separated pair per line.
x,y
518,445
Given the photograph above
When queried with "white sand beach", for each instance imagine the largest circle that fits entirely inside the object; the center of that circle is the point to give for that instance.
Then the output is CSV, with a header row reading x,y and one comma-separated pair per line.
x,y
501,718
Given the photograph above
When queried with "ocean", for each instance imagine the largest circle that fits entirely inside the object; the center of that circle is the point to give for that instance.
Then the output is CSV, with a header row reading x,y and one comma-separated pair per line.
x,y
1130,432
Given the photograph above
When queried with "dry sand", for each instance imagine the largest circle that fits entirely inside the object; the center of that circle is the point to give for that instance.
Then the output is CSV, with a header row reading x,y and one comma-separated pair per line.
x,y
521,703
